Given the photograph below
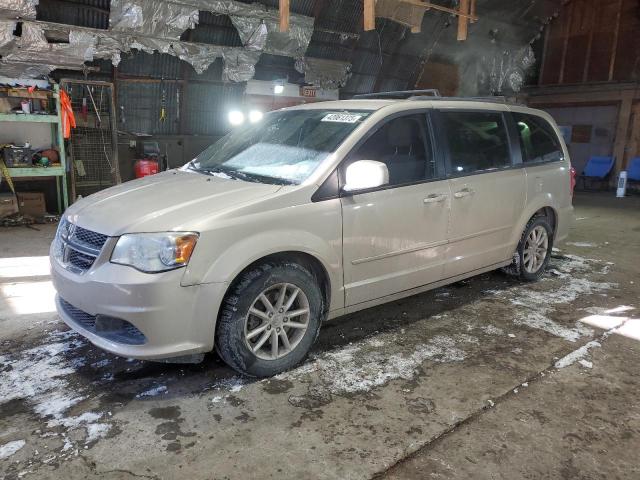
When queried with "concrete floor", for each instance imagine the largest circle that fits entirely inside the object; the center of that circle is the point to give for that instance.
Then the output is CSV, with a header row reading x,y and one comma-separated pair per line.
x,y
487,378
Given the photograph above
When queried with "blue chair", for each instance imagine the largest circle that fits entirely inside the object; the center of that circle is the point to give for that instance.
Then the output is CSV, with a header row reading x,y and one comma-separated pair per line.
x,y
633,170
597,168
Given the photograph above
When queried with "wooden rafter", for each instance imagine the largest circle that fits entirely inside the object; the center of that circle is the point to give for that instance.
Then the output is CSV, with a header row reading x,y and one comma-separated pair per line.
x,y
284,15
466,14
472,12
463,22
369,15
433,6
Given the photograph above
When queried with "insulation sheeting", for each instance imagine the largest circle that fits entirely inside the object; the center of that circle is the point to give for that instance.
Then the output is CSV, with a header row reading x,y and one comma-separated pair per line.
x,y
257,25
259,29
6,32
154,18
32,48
404,13
18,8
328,74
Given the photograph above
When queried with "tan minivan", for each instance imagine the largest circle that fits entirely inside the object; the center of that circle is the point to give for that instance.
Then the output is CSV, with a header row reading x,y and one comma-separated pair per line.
x,y
307,214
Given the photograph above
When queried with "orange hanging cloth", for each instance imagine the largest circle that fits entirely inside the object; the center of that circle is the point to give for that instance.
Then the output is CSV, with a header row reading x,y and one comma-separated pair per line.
x,y
68,119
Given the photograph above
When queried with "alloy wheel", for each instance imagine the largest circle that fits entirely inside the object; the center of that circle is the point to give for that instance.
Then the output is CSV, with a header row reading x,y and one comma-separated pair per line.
x,y
277,321
535,249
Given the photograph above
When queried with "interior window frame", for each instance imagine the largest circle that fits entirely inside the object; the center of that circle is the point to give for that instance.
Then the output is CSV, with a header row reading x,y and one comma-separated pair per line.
x,y
513,141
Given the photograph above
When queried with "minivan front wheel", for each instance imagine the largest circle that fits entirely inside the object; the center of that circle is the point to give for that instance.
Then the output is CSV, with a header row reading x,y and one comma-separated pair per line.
x,y
269,319
534,250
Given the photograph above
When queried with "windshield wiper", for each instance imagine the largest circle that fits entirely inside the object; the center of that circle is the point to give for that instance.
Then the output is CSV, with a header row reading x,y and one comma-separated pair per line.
x,y
239,175
212,171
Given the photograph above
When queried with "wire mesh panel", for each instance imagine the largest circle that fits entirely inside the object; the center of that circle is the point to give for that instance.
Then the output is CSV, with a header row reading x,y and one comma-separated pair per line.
x,y
93,143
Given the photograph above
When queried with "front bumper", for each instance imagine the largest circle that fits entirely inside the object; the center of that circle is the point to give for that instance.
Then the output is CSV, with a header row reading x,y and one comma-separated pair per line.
x,y
173,320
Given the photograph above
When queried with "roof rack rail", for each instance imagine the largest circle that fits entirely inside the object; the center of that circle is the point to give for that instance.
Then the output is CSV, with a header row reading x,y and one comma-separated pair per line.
x,y
500,98
494,99
401,94
431,94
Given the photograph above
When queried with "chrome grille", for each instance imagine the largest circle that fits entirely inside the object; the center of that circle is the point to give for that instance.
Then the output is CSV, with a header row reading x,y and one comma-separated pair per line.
x,y
77,248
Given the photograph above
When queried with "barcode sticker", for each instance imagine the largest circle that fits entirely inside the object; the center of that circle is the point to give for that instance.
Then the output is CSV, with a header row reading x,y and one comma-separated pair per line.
x,y
341,118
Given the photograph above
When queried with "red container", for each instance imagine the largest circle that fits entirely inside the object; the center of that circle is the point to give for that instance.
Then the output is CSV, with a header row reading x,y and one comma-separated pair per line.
x,y
143,168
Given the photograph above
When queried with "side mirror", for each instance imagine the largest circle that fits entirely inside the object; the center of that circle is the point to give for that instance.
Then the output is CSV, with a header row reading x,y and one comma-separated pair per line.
x,y
365,174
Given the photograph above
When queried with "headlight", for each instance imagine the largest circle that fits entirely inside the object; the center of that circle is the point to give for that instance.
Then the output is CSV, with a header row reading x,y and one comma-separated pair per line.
x,y
155,252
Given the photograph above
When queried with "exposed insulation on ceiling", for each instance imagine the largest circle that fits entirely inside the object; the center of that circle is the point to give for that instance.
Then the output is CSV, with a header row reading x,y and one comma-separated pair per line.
x,y
11,9
153,26
401,12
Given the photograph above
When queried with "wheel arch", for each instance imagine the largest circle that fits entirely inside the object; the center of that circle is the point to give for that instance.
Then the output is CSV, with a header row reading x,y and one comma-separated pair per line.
x,y
544,206
304,259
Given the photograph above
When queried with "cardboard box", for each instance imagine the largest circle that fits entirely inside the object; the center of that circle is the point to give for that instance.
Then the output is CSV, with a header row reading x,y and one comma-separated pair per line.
x,y
32,203
8,204
5,105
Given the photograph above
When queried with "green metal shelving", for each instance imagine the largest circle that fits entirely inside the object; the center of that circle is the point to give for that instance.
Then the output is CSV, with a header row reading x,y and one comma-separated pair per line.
x,y
57,140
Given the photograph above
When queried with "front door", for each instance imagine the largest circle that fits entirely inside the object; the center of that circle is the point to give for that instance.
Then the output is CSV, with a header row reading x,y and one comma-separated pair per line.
x,y
394,238
487,193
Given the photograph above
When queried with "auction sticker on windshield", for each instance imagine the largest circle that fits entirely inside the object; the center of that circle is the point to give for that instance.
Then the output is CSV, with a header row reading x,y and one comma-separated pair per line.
x,y
341,117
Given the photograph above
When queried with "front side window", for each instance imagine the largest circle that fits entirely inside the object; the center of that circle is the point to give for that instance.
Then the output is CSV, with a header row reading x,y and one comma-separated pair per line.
x,y
538,140
478,141
285,147
402,145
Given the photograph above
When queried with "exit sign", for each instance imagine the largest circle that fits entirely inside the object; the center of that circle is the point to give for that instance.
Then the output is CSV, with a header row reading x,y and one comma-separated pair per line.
x,y
308,92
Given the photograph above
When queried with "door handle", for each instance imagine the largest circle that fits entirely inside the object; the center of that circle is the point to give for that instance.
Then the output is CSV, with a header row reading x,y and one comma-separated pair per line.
x,y
435,198
465,192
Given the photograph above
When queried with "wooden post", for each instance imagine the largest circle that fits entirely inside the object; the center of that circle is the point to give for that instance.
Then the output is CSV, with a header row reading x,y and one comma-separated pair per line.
x,y
633,148
614,48
473,11
369,15
463,22
595,11
619,147
284,15
565,44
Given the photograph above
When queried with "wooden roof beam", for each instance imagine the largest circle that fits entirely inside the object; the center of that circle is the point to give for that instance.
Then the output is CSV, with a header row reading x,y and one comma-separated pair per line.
x,y
463,23
284,15
460,13
369,15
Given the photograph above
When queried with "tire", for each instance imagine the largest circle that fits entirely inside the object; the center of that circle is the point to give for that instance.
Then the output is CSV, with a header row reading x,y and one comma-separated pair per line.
x,y
522,266
244,313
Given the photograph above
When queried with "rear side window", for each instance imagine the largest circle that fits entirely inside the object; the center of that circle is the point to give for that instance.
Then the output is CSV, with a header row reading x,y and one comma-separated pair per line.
x,y
538,140
478,141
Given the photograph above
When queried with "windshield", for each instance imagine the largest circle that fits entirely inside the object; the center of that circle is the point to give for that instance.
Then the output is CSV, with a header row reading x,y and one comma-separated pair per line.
x,y
285,147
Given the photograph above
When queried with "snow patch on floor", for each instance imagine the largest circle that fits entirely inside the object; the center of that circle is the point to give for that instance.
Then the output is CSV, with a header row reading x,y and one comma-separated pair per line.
x,y
372,363
153,392
535,306
96,431
586,363
577,355
38,376
582,244
10,448
492,330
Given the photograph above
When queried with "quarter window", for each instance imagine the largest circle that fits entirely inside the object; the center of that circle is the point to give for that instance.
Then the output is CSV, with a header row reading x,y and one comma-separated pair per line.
x,y
401,145
477,141
538,140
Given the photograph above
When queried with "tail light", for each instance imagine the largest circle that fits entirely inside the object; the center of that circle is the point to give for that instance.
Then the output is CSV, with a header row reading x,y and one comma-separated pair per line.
x,y
572,184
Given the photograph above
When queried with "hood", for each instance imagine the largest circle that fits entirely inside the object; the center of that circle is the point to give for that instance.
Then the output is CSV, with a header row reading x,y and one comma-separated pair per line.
x,y
173,200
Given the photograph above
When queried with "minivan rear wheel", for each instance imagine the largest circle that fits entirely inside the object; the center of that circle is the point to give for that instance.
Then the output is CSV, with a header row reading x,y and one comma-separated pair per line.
x,y
269,319
534,250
